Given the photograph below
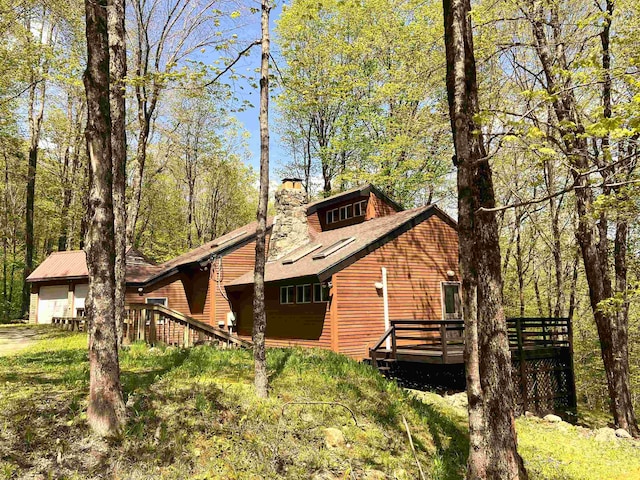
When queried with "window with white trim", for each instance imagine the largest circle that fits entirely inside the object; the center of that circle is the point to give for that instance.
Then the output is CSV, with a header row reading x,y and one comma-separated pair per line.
x,y
346,212
359,208
303,293
320,292
287,294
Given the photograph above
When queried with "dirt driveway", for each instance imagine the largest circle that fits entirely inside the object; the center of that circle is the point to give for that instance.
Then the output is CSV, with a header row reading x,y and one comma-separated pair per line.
x,y
14,339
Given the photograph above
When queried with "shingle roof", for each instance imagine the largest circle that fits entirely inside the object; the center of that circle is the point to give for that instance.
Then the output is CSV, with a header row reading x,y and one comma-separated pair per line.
x,y
72,264
199,254
367,235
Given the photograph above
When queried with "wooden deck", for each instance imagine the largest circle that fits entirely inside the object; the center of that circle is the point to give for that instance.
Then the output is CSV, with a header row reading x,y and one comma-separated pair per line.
x,y
442,341
541,355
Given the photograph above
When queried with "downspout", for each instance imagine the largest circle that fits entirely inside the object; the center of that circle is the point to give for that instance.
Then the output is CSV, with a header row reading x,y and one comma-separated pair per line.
x,y
385,303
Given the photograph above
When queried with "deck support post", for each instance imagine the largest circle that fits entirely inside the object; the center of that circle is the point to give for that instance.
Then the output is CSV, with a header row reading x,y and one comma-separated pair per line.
x,y
443,341
523,366
152,328
186,335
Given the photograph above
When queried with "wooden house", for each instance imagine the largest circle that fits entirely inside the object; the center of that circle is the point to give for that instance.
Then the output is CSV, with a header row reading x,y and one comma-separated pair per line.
x,y
338,270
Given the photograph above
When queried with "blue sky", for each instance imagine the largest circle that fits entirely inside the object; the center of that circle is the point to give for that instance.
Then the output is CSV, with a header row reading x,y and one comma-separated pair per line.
x,y
250,117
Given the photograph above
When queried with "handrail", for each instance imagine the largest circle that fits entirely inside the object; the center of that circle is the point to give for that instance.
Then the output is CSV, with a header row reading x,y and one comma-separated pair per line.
x,y
189,322
522,333
381,340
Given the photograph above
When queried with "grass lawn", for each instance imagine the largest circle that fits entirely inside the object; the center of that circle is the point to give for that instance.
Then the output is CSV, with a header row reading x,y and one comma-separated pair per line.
x,y
193,414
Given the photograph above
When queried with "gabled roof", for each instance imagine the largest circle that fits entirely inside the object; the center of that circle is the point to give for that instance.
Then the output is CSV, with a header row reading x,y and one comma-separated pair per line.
x,y
72,265
68,265
366,237
353,193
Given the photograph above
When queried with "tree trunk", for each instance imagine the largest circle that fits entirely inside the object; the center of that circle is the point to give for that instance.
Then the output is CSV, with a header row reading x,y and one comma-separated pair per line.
x,y
106,409
36,113
493,445
612,328
118,72
259,314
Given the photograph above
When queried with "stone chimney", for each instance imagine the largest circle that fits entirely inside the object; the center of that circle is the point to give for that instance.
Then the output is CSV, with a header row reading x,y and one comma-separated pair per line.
x,y
290,229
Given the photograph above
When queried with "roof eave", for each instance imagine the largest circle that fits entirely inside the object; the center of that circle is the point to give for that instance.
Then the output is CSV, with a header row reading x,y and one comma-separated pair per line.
x,y
57,279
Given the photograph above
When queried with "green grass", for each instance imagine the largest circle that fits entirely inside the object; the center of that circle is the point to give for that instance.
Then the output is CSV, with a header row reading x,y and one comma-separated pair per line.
x,y
193,414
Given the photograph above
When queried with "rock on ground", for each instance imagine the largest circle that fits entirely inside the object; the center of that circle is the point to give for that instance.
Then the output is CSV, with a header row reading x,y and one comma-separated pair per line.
x,y
333,438
622,433
605,434
552,418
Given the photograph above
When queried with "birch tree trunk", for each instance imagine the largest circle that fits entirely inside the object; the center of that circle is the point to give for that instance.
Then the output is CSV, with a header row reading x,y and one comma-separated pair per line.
x,y
493,445
106,410
118,72
259,314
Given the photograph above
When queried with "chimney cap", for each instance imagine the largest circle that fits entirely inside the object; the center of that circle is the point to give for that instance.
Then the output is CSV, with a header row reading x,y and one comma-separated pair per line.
x,y
292,183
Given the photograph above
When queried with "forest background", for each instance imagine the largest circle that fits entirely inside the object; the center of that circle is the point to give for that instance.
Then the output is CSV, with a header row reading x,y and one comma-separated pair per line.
x,y
359,96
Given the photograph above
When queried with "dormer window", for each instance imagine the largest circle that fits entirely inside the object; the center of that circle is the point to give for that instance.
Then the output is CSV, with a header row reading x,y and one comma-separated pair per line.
x,y
359,208
333,216
346,212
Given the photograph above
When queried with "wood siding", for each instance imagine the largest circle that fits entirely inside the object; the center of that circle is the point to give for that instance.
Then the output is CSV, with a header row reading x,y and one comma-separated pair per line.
x,y
177,289
307,325
234,264
198,294
314,222
417,262
378,207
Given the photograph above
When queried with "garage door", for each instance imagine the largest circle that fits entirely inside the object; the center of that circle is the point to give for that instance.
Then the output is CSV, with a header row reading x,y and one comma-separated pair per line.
x,y
52,302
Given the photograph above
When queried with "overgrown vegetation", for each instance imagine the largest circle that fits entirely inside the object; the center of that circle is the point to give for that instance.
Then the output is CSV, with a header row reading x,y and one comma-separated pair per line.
x,y
193,413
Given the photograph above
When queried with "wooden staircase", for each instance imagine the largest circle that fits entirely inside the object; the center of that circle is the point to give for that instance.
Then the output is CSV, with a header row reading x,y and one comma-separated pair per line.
x,y
158,324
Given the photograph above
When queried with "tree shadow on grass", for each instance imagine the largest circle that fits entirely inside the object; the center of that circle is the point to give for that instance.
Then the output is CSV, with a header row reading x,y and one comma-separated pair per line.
x,y
450,438
277,367
133,379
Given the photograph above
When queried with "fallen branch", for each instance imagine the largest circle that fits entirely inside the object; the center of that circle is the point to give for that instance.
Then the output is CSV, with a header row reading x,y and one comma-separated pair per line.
x,y
338,404
415,455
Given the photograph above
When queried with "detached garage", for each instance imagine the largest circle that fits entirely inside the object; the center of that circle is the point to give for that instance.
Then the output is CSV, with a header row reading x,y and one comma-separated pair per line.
x,y
58,287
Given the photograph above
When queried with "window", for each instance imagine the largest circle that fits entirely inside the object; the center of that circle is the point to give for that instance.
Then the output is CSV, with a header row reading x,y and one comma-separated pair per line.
x,y
333,216
157,301
320,292
346,212
451,300
333,248
287,294
359,208
303,293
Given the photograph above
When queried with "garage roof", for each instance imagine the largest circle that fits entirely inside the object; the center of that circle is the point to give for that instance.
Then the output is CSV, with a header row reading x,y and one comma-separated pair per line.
x,y
66,265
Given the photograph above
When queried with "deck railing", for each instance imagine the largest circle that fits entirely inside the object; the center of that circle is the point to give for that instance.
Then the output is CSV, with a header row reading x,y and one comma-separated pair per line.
x,y
447,336
78,324
158,324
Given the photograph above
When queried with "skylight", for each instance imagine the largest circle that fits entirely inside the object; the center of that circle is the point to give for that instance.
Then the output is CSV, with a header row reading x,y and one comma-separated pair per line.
x,y
302,254
333,248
